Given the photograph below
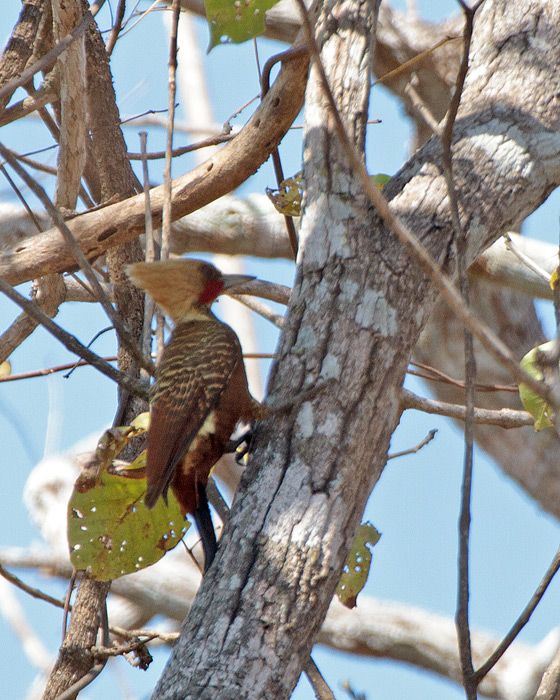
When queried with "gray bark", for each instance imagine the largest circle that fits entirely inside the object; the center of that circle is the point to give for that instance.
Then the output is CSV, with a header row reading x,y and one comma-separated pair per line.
x,y
358,307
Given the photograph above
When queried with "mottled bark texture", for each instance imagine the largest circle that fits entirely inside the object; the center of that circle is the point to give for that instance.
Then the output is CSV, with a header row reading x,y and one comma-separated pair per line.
x,y
107,154
358,307
266,630
19,49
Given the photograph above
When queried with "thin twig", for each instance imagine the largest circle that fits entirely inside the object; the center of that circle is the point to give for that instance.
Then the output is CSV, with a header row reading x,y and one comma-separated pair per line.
x,y
50,370
30,590
278,171
525,259
149,305
21,198
463,581
71,692
67,603
102,652
259,308
507,418
175,152
44,168
74,345
82,363
91,342
172,93
521,621
139,16
81,259
167,637
413,61
436,375
116,28
318,683
227,126
413,450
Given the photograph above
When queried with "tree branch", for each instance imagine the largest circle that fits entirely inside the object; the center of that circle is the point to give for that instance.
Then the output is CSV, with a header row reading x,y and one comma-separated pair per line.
x,y
351,317
504,418
32,310
375,629
100,230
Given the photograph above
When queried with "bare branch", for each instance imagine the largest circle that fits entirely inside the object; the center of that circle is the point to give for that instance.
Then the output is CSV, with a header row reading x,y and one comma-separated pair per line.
x,y
97,231
71,343
521,621
261,309
506,418
378,629
318,683
20,46
413,450
83,262
48,60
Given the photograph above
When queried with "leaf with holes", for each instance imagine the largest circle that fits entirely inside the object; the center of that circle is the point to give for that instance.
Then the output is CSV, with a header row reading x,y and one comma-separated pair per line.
x,y
356,569
287,198
235,20
110,531
541,411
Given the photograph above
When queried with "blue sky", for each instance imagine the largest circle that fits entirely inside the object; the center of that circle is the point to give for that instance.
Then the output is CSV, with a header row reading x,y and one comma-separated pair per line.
x,y
414,505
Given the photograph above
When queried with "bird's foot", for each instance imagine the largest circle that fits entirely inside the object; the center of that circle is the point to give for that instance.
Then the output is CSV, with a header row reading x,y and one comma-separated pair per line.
x,y
241,446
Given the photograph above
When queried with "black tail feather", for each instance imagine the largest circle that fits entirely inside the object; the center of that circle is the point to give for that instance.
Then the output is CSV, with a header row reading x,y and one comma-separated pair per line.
x,y
205,528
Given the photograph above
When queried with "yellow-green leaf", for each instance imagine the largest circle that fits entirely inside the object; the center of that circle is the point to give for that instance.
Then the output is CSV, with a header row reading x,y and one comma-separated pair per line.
x,y
380,180
5,368
554,279
287,198
540,410
235,20
142,421
110,531
356,569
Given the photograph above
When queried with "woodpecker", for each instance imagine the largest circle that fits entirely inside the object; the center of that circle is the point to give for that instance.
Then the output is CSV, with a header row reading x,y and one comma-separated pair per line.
x,y
200,390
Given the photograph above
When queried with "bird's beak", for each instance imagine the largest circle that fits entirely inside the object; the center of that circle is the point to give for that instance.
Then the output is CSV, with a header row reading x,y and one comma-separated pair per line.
x,y
231,281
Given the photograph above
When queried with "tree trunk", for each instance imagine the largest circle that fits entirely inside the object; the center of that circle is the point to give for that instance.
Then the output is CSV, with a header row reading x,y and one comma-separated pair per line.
x,y
358,306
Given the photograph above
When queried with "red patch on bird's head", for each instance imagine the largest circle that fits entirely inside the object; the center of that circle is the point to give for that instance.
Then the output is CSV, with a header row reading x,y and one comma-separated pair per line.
x,y
211,291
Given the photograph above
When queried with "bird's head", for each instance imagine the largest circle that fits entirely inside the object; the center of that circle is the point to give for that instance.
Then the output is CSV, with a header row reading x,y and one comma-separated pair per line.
x,y
184,289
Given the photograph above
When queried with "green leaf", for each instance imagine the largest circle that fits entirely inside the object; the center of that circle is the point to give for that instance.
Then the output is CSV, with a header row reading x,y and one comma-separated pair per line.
x,y
235,20
110,531
540,410
287,198
356,569
380,180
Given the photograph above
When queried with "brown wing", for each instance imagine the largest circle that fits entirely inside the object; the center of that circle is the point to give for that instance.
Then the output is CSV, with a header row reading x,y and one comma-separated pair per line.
x,y
194,369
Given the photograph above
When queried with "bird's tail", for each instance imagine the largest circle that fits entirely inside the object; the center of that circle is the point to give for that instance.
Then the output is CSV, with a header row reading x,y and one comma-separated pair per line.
x,y
205,528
